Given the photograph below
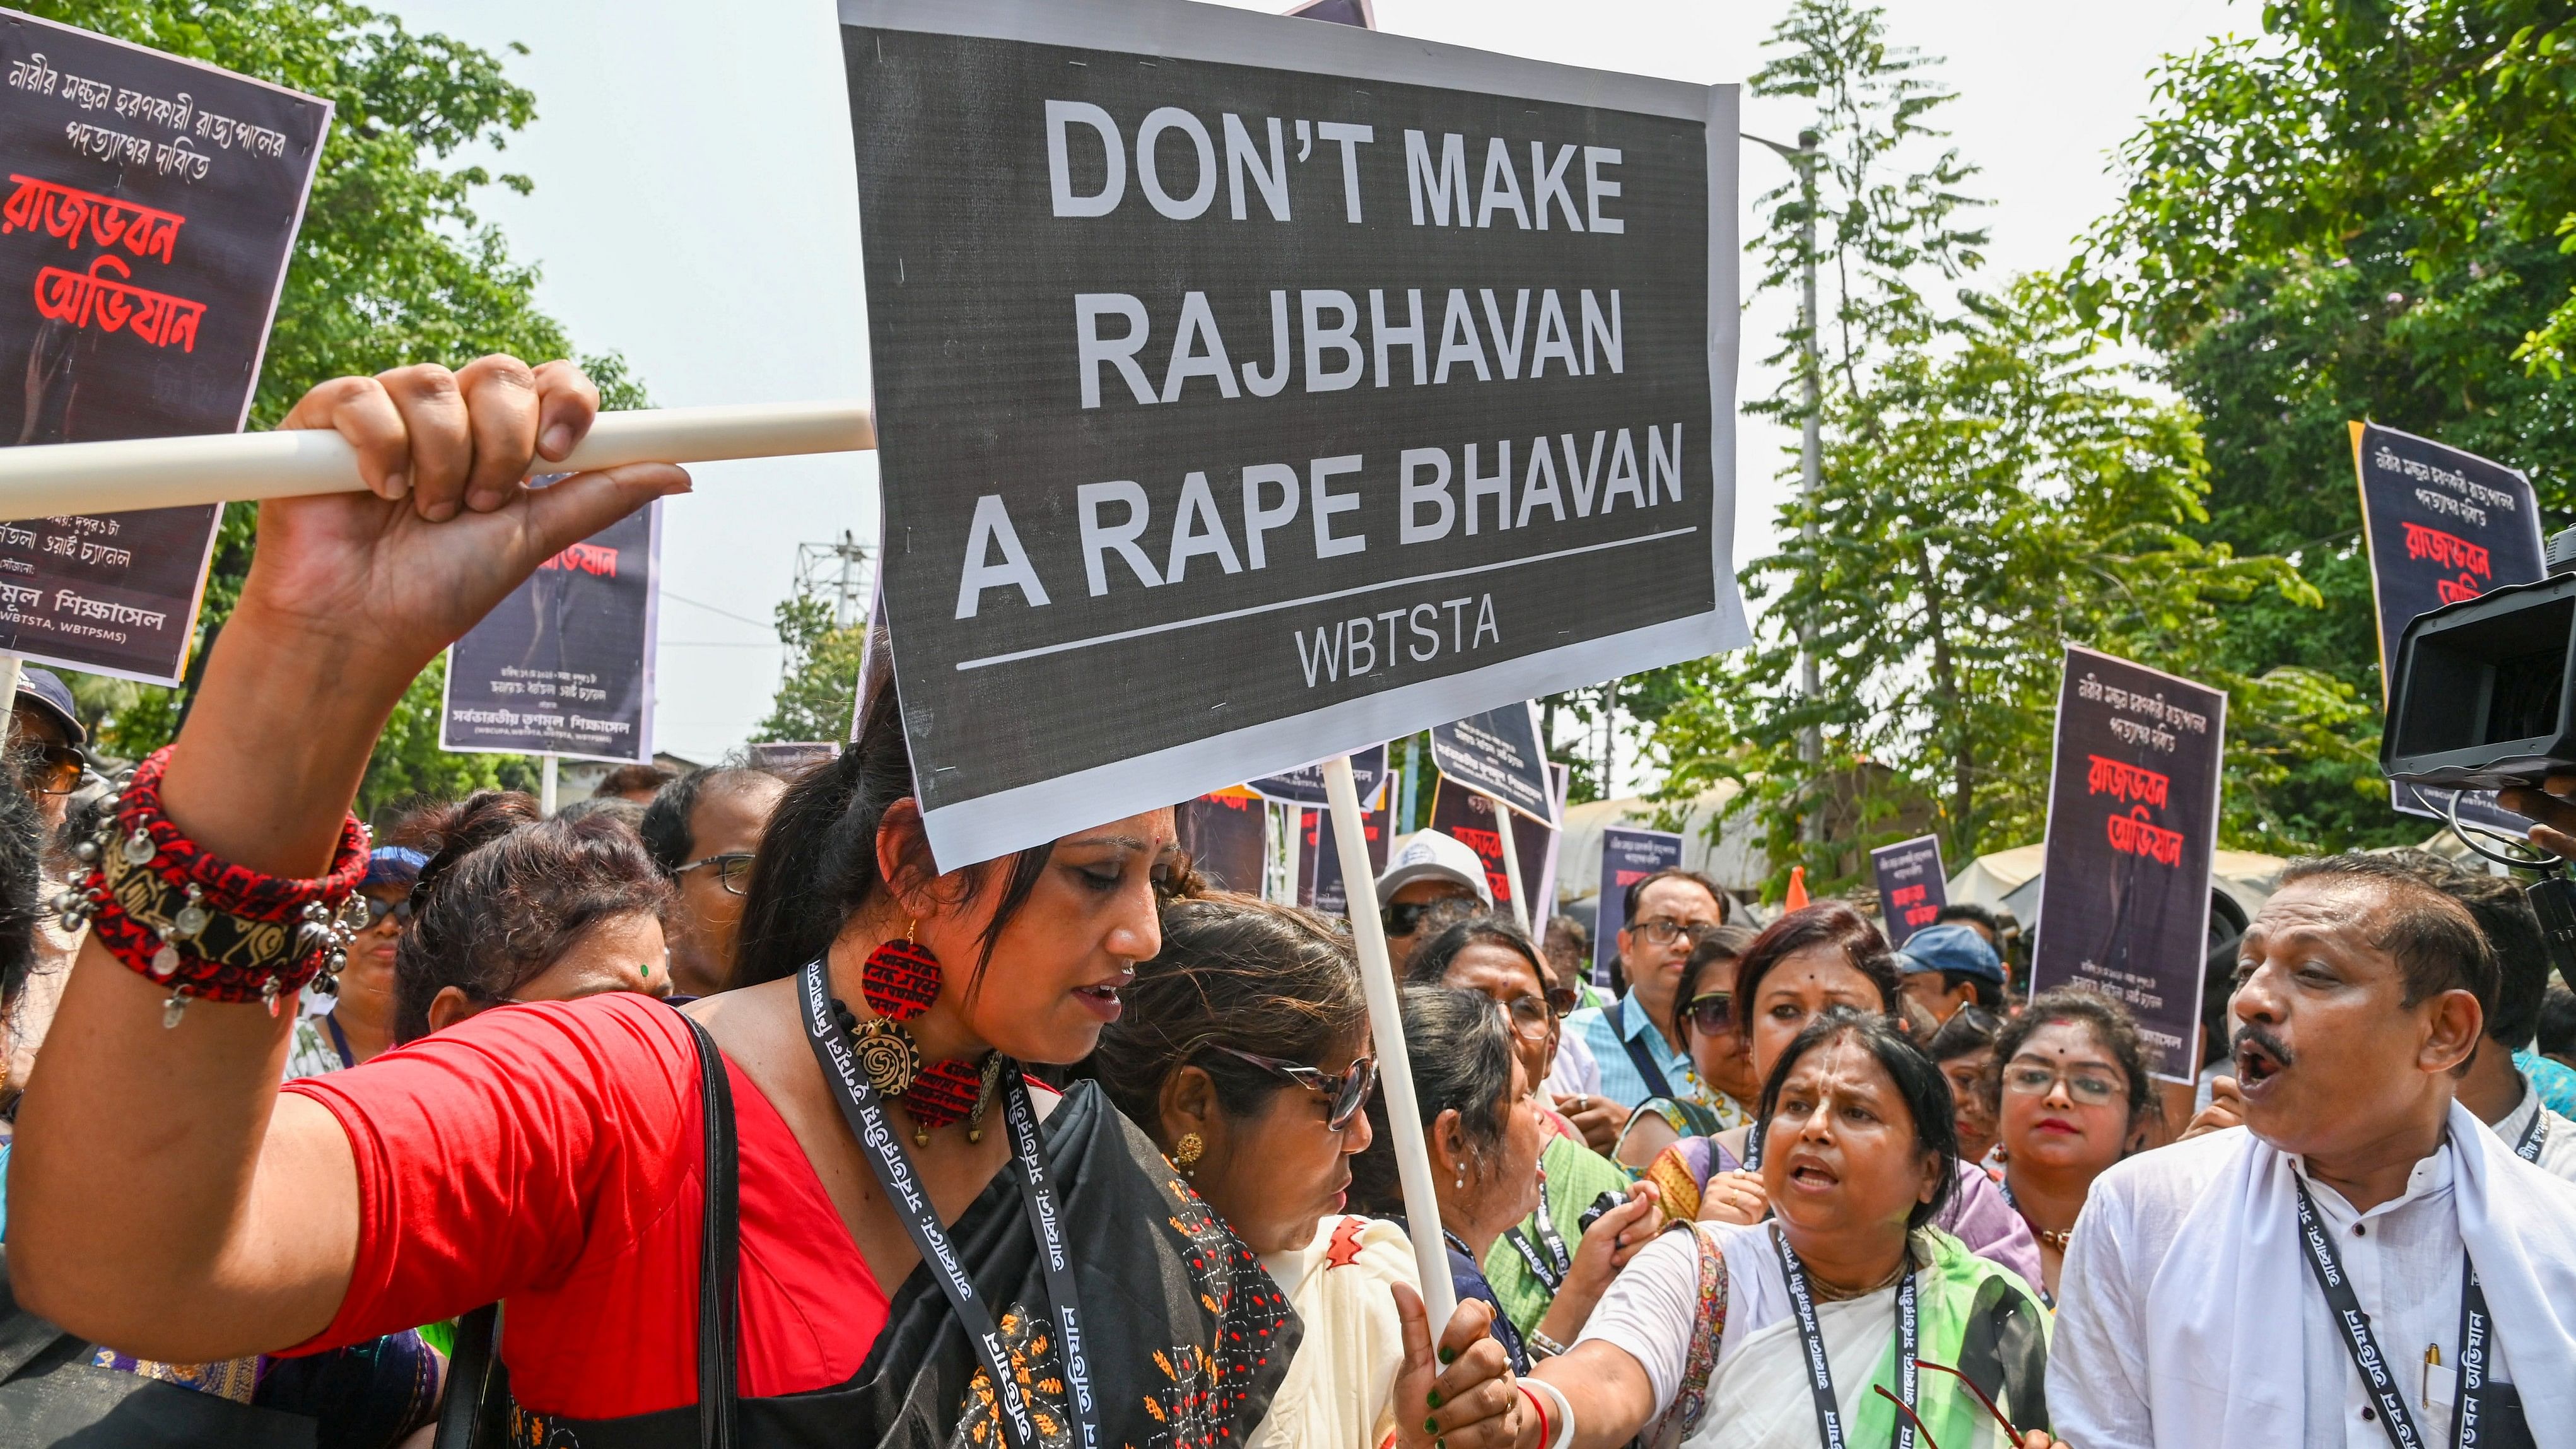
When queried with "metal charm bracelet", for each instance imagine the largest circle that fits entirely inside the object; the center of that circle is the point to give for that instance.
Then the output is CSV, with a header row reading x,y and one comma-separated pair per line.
x,y
202,925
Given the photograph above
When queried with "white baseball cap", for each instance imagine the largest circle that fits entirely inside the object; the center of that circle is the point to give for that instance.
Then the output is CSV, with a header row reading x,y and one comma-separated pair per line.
x,y
1432,855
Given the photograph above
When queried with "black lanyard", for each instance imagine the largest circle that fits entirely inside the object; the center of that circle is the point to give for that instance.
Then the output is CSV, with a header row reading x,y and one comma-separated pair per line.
x,y
1753,1146
2378,1375
2534,1133
339,1039
866,1113
1551,1267
1820,1374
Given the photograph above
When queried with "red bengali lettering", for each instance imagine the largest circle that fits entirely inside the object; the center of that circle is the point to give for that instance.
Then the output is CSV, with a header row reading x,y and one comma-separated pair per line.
x,y
63,211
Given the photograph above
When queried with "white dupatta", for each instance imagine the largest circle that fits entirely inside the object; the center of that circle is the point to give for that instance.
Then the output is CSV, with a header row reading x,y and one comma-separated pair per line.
x,y
2226,1366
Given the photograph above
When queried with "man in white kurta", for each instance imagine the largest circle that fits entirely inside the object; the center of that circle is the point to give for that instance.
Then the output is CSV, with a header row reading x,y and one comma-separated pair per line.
x,y
2189,1312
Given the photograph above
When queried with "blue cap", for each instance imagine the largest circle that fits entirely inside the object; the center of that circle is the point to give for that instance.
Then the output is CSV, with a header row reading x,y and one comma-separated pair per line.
x,y
393,865
1951,947
41,691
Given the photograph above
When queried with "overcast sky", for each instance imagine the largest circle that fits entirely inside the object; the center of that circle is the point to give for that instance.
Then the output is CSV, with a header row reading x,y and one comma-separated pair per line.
x,y
694,210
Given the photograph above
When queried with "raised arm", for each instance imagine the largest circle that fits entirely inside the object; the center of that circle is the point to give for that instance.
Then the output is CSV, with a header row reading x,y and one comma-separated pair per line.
x,y
163,1198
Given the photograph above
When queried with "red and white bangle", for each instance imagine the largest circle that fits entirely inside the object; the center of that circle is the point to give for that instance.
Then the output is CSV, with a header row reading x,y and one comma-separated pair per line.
x,y
202,925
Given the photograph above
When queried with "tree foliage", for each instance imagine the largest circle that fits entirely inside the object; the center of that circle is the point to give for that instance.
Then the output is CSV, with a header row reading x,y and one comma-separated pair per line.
x,y
820,693
1993,487
392,265
2360,214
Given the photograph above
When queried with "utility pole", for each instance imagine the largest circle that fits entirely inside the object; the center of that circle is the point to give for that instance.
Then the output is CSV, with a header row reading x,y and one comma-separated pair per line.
x,y
1811,388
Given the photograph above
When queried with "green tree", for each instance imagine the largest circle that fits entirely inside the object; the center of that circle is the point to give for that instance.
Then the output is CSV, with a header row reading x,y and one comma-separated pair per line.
x,y
1999,490
392,266
2357,215
1992,487
821,691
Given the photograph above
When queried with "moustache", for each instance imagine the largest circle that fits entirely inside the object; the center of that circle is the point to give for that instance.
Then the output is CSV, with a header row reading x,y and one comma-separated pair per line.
x,y
2278,1049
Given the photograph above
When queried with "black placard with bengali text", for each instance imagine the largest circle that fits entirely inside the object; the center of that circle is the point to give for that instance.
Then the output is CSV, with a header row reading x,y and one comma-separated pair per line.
x,y
151,205
1498,752
1629,854
2132,827
1467,816
1181,344
564,665
1911,887
1320,885
2441,525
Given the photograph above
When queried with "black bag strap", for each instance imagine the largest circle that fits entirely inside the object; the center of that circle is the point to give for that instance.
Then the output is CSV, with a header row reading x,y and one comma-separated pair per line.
x,y
719,1254
1647,1067
476,1414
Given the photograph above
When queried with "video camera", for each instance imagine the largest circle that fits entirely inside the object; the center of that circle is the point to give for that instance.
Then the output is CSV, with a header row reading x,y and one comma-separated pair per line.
x,y
2480,698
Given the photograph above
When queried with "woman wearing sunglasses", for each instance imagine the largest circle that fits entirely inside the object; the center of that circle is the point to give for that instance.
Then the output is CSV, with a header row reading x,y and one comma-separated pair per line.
x,y
1846,1318
1244,1053
1704,1020
1548,1269
360,1023
2073,1096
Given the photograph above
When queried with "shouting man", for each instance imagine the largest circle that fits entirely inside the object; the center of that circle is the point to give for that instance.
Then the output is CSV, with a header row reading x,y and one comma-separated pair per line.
x,y
2362,1262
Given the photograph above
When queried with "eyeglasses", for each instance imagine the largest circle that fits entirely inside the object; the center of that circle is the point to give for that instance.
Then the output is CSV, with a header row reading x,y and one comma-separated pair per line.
x,y
377,910
2085,1089
1348,1092
50,769
1530,1017
1713,1013
1563,999
1663,932
732,869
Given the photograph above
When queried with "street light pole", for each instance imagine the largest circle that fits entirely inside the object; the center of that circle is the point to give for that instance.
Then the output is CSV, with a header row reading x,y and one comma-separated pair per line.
x,y
1811,381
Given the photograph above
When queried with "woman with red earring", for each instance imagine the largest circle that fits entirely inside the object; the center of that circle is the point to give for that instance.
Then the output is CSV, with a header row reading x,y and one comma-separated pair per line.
x,y
822,1207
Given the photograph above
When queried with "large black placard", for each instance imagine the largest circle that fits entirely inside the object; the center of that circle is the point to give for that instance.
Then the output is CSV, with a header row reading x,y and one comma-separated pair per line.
x,y
564,665
2132,825
150,207
1249,389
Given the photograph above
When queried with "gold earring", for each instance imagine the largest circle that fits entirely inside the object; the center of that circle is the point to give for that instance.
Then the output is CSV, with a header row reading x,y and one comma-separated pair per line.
x,y
1185,1153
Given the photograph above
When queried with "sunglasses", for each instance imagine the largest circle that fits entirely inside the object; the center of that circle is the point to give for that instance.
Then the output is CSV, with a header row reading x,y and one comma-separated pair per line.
x,y
50,769
733,869
1348,1092
1405,919
377,910
1563,999
1712,1013
2011,1434
1530,1017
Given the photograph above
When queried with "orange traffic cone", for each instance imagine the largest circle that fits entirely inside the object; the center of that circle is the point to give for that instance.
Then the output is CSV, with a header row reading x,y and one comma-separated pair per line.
x,y
1797,899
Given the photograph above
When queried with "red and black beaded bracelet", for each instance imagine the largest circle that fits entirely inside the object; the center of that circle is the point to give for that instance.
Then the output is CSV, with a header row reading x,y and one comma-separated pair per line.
x,y
204,926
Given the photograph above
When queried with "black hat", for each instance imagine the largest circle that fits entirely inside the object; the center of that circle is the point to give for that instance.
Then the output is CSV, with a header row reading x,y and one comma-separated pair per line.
x,y
40,691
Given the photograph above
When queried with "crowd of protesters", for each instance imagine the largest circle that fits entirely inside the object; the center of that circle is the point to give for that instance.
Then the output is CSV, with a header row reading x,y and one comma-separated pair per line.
x,y
717,1111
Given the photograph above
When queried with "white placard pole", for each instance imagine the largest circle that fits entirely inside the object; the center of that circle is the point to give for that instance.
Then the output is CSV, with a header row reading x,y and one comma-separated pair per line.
x,y
45,480
1292,820
546,787
10,667
1511,862
1394,1065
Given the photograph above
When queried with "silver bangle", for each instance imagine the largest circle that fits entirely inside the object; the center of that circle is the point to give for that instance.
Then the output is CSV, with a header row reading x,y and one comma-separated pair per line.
x,y
1542,1346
